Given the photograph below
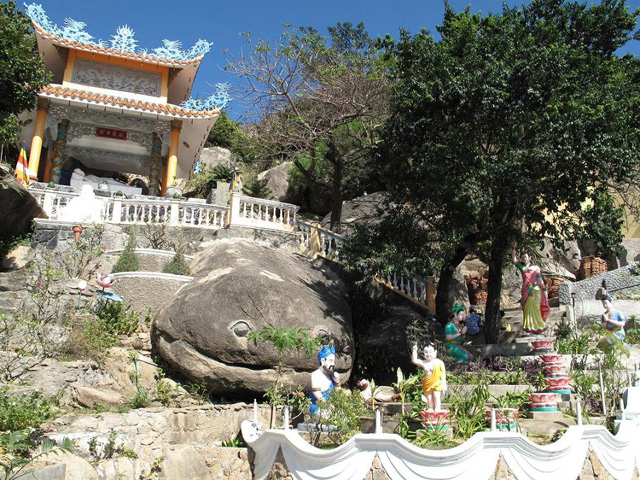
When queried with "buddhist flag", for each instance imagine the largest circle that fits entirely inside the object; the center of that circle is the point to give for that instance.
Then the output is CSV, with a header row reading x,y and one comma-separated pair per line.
x,y
22,167
234,180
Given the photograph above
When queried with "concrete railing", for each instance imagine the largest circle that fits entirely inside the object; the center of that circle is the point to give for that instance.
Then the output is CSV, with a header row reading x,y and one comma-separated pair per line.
x,y
261,213
315,240
243,211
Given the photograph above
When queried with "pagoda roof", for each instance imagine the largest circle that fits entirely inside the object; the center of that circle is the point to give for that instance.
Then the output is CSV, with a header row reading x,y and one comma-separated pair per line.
x,y
95,48
174,111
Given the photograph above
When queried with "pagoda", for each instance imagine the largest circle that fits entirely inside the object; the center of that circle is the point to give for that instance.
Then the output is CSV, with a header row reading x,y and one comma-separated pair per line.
x,y
114,108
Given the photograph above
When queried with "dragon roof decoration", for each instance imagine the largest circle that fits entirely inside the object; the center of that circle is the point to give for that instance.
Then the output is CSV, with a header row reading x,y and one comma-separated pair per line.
x,y
122,41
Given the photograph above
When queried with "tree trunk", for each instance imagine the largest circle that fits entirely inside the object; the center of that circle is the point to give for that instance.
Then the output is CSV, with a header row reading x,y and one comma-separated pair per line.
x,y
444,282
336,186
494,289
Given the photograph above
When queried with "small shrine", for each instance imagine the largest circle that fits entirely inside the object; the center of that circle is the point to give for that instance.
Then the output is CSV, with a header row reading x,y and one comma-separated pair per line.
x,y
114,108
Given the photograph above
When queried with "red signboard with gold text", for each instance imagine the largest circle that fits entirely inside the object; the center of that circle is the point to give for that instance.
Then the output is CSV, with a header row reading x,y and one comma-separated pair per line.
x,y
111,133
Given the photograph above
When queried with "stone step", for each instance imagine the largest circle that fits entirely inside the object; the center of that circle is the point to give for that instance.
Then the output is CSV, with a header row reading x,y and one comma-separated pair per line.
x,y
14,280
10,302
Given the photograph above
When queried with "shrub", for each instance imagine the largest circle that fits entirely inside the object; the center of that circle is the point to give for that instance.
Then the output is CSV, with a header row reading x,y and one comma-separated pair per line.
x,y
19,412
128,261
177,265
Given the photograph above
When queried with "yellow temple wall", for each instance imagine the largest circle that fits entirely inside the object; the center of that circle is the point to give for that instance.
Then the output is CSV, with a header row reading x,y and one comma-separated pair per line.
x,y
120,62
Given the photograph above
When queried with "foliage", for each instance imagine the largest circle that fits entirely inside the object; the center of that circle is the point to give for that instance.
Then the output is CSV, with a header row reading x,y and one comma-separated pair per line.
x,y
294,397
632,331
468,410
79,260
495,370
318,98
117,319
23,411
16,452
342,411
92,335
22,72
141,399
178,265
284,340
228,134
258,189
202,183
27,331
163,392
508,121
436,439
128,260
235,442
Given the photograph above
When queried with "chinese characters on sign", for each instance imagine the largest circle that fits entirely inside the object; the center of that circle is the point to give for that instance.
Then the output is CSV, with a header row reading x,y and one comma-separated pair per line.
x,y
111,133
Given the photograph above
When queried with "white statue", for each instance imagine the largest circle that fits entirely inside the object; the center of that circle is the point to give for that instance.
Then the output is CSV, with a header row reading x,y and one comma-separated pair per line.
x,y
85,208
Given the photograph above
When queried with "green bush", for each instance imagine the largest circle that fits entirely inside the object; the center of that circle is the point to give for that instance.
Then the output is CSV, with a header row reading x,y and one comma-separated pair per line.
x,y
128,261
116,319
177,265
19,412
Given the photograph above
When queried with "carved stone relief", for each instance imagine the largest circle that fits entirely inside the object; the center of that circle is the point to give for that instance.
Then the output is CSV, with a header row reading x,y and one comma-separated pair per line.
x,y
117,78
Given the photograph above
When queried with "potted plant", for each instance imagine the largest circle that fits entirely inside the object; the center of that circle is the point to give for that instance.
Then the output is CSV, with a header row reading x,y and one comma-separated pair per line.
x,y
119,193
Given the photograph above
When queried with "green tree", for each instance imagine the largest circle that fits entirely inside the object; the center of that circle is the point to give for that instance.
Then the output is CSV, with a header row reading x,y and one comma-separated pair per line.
x,y
502,130
228,134
319,100
22,72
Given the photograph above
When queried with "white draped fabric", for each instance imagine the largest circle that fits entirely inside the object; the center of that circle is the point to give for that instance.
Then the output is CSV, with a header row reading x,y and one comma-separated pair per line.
x,y
475,459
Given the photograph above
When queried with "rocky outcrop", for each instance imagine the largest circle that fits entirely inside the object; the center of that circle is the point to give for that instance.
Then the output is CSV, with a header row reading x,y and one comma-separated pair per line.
x,y
241,287
180,443
212,156
365,210
277,180
17,208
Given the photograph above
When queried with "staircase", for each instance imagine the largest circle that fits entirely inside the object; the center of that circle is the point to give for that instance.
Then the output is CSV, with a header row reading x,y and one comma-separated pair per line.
x,y
12,290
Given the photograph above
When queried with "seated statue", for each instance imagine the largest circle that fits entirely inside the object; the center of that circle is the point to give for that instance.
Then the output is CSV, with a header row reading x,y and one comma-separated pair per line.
x,y
323,380
434,383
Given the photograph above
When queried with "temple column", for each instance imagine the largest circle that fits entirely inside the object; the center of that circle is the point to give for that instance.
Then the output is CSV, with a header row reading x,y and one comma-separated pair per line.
x,y
155,175
38,135
58,148
172,162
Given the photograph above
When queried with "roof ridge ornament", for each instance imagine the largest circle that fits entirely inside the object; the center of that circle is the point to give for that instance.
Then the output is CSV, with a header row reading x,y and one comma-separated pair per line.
x,y
123,40
217,100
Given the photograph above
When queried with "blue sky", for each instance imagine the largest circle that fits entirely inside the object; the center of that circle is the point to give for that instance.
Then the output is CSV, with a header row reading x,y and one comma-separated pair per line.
x,y
222,22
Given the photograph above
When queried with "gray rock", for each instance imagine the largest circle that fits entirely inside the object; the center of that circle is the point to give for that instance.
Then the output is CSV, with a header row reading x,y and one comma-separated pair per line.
x,y
17,209
213,156
277,180
185,462
242,287
365,210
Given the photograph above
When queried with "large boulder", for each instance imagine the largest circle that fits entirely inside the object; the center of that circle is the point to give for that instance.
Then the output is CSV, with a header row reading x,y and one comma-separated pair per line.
x,y
242,287
277,179
365,210
17,208
213,156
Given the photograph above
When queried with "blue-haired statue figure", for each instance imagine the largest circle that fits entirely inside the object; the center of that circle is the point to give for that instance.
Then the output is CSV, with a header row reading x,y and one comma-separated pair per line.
x,y
324,380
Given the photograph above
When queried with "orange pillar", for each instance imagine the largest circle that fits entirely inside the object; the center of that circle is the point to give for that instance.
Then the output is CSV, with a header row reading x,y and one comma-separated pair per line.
x,y
38,135
172,162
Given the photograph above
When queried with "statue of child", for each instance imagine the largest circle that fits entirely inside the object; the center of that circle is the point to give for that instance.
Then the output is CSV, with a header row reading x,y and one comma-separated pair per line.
x,y
434,383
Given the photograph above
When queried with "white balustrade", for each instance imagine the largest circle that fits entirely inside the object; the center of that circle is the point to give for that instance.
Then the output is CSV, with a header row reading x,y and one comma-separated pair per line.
x,y
258,212
135,211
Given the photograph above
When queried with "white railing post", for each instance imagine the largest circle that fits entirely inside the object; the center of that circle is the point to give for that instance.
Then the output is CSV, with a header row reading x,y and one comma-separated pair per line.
x,y
174,214
116,215
47,204
234,210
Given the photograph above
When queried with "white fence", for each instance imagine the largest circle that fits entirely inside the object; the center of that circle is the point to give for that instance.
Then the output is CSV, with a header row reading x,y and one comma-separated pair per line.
x,y
244,211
